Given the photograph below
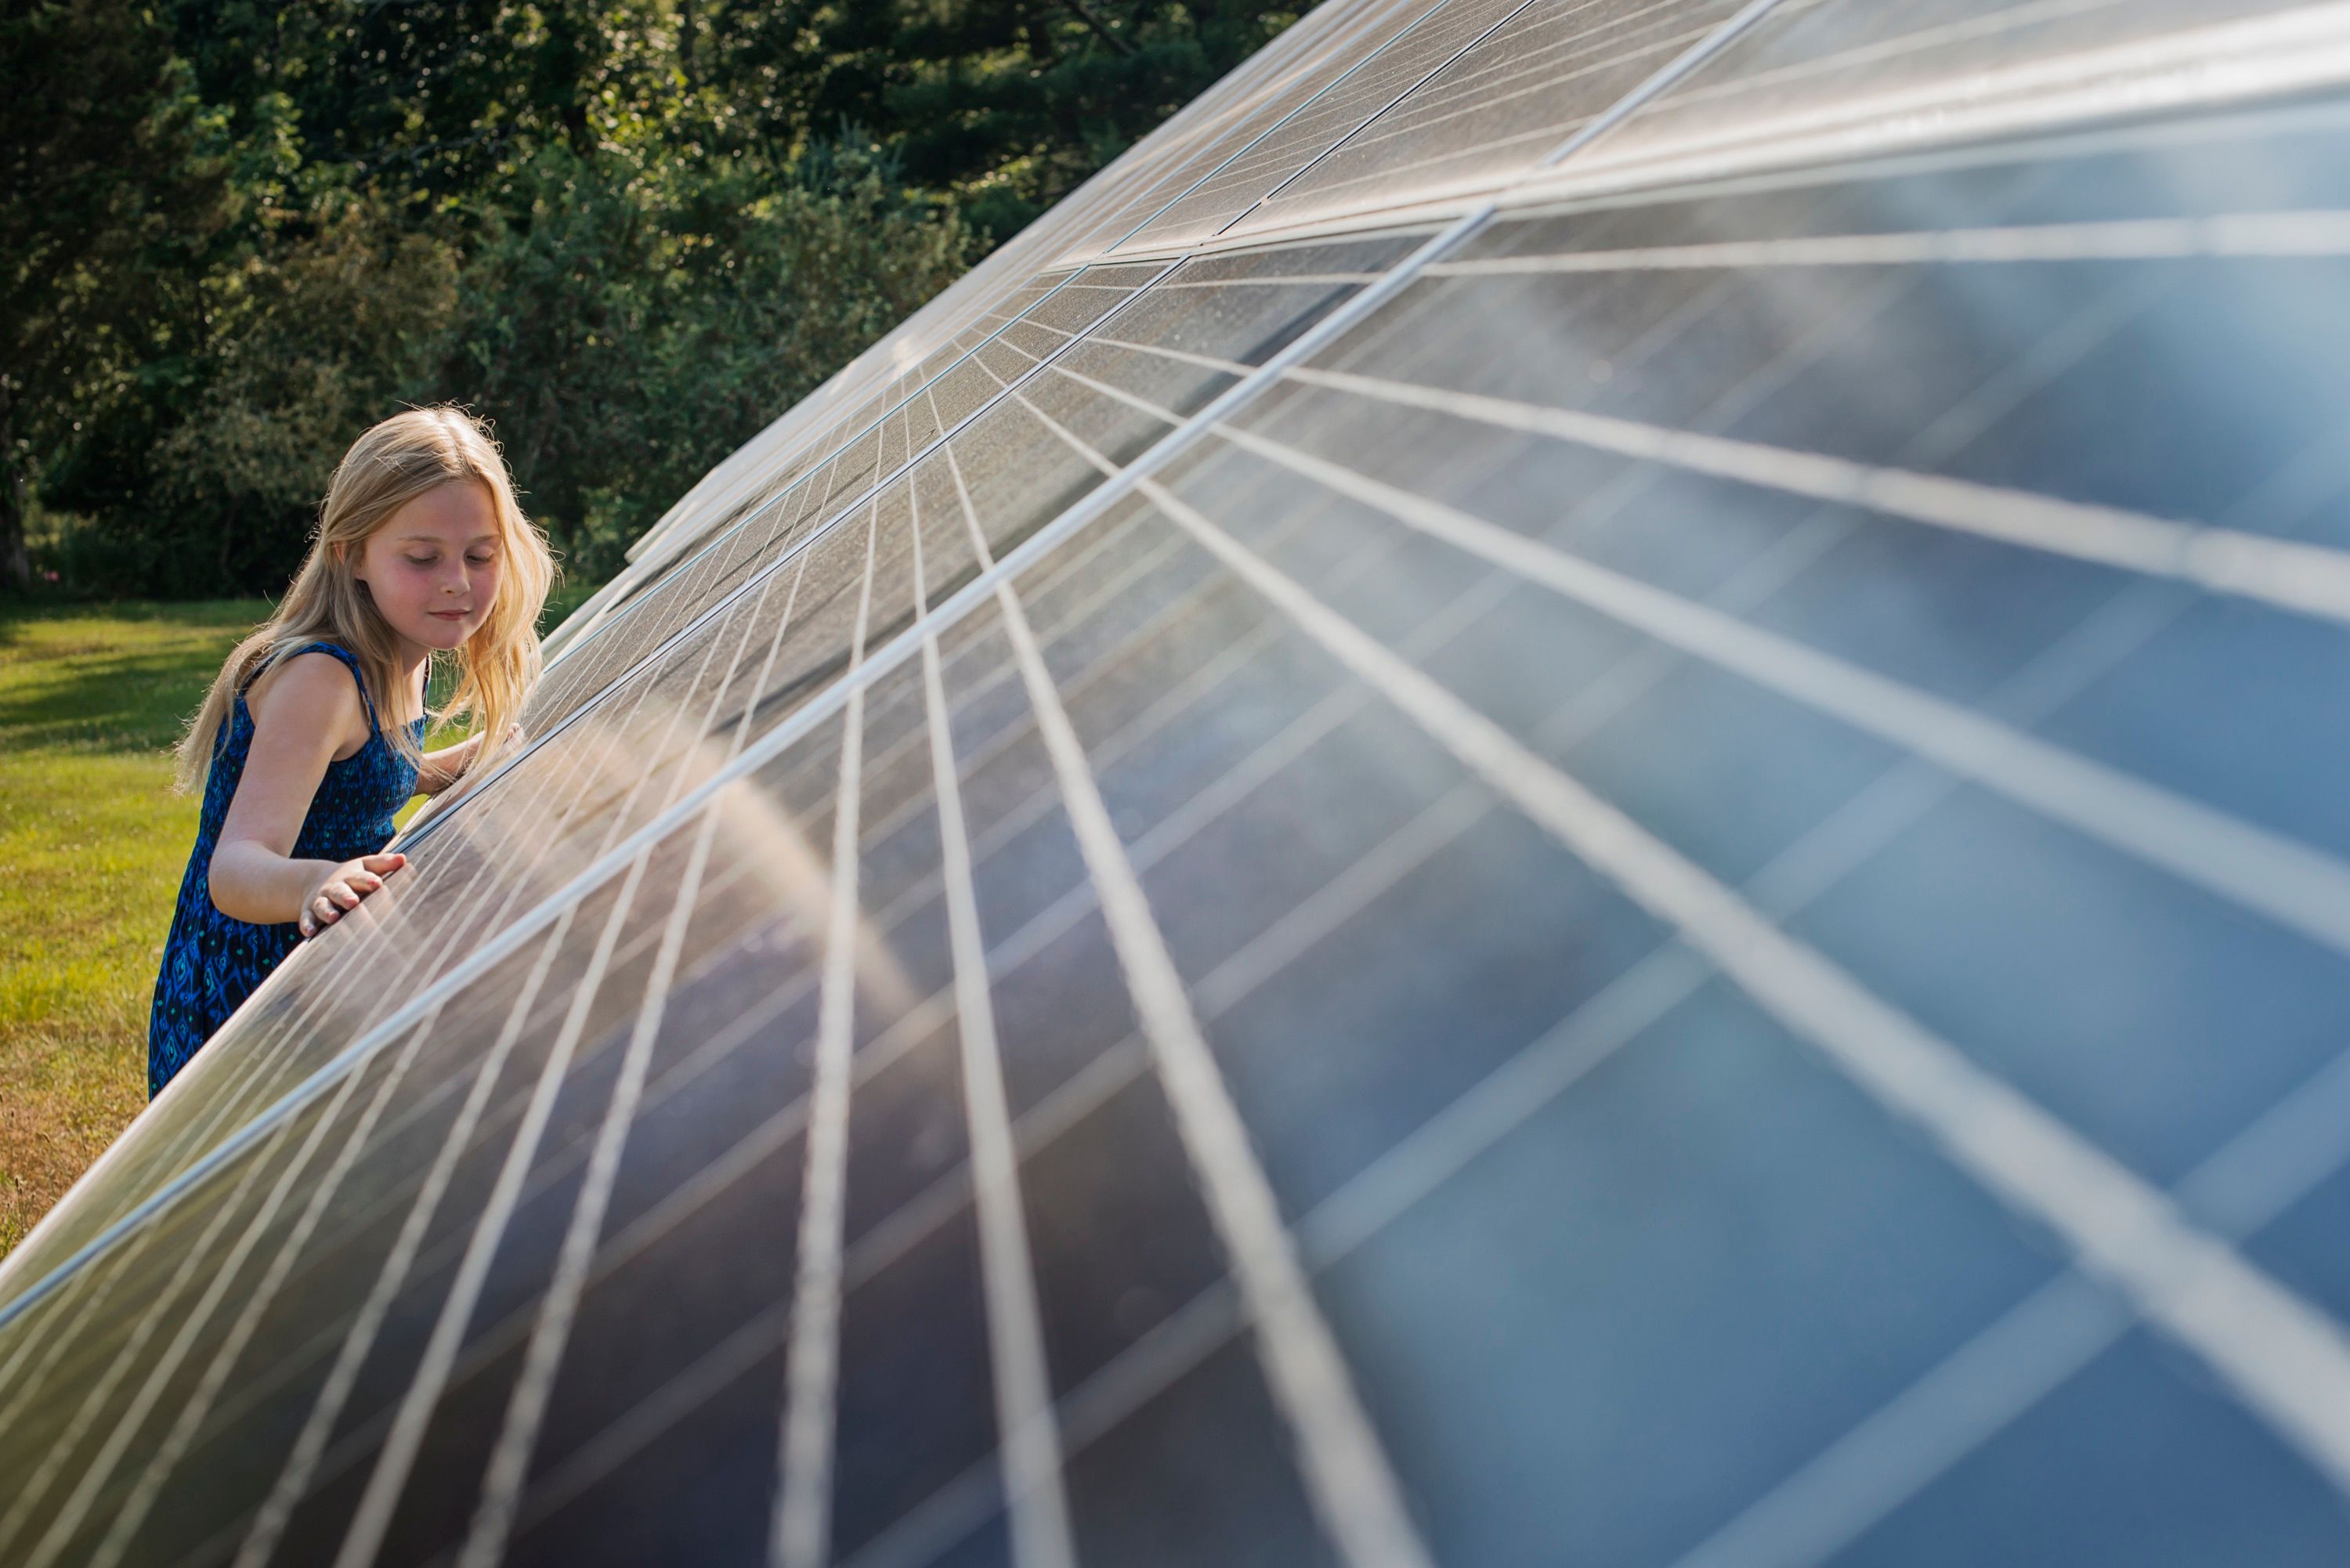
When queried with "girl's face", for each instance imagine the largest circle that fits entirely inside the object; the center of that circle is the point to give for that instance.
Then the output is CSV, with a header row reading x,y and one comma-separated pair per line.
x,y
432,568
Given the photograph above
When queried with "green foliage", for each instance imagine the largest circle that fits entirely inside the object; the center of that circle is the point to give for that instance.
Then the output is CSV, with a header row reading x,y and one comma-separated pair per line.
x,y
111,193
630,232
632,329
1009,104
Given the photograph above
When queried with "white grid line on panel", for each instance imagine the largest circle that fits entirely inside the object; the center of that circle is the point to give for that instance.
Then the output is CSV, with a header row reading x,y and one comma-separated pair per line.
x,y
1485,94
1077,515
1519,1088
802,1529
737,1161
56,1335
2298,887
389,1478
502,1480
675,575
1979,1389
100,1469
1220,988
2306,578
33,1488
159,1471
1028,1437
426,953
1982,26
2286,1360
719,606
1257,141
485,1346
423,954
1354,1490
1410,1169
2264,56
1267,280
267,1062
1398,174
2274,235
2290,883
819,708
1706,44
708,717
267,1524
678,559
1161,149
1344,118
1371,118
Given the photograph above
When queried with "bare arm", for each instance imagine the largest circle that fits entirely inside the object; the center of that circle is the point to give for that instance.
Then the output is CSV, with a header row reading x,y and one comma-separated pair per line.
x,y
304,713
446,766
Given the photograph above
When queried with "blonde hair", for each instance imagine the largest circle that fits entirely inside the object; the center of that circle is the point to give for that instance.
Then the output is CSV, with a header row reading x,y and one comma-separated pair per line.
x,y
390,465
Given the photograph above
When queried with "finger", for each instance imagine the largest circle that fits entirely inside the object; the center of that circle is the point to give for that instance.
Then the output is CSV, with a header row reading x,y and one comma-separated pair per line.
x,y
364,882
342,895
391,862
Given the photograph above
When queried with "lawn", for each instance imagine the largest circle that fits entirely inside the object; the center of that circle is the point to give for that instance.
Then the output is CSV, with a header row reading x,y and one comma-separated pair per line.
x,y
92,843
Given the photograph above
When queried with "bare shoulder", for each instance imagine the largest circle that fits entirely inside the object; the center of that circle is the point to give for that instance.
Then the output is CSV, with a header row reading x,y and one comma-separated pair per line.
x,y
310,693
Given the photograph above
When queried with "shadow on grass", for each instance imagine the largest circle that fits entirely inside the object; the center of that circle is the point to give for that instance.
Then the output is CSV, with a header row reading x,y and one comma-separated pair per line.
x,y
122,677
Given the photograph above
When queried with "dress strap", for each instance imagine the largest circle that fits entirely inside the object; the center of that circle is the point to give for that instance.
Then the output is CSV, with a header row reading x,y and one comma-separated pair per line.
x,y
350,662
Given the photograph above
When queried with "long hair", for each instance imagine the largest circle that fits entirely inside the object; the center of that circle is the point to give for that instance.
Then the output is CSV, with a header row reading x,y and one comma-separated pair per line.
x,y
387,468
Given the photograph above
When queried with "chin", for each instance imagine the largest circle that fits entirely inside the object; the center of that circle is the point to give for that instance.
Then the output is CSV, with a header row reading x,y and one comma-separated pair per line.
x,y
434,634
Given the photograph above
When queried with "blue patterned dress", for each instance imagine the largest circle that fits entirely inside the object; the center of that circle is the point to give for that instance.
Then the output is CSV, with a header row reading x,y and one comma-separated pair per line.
x,y
211,962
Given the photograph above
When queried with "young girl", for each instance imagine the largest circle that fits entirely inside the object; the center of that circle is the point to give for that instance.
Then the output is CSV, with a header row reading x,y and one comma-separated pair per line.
x,y
310,738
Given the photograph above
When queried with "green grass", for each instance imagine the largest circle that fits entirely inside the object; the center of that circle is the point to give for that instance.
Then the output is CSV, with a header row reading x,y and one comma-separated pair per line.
x,y
92,843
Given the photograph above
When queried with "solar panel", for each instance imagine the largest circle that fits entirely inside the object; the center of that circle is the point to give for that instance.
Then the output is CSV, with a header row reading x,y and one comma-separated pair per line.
x,y
1568,790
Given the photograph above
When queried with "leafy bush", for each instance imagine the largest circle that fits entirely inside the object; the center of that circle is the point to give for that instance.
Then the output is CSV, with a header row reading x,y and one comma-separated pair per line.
x,y
630,232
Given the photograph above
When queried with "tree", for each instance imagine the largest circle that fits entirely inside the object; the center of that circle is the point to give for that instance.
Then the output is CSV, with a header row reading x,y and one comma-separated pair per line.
x,y
630,232
110,197
631,324
1007,104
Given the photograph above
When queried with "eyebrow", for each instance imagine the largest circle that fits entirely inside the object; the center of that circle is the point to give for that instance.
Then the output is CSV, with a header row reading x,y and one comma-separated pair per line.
x,y
435,539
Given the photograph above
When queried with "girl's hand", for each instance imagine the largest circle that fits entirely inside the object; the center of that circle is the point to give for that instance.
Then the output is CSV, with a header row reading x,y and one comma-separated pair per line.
x,y
343,887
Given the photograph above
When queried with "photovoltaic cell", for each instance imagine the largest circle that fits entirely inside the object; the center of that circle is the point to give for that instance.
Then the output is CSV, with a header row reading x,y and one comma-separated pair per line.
x,y
1359,94
1649,875
1516,93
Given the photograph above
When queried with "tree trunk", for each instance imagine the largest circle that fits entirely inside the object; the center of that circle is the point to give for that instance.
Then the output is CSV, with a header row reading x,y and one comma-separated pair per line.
x,y
15,561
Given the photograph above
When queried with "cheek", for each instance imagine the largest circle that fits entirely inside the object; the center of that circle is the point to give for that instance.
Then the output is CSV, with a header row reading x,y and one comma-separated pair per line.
x,y
399,589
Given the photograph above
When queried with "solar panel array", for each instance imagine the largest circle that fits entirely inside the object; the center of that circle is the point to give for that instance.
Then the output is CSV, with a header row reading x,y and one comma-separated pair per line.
x,y
1569,789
